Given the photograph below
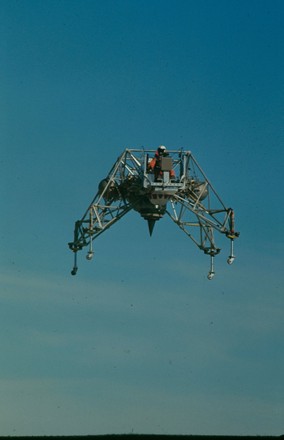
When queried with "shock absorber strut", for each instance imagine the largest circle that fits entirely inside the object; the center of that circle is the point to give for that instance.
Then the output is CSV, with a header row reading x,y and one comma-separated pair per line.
x,y
90,253
232,235
211,271
75,267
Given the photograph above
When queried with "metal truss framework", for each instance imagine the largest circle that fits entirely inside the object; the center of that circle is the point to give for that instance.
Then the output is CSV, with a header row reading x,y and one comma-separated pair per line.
x,y
189,200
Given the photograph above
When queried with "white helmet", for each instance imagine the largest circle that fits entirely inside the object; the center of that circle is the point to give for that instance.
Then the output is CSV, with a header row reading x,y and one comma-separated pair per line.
x,y
161,149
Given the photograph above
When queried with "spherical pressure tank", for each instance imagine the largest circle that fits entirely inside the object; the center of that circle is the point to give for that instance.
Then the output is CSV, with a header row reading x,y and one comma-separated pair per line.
x,y
108,190
201,191
197,190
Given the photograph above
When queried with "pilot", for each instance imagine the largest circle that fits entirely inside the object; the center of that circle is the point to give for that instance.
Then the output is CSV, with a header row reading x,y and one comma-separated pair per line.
x,y
155,163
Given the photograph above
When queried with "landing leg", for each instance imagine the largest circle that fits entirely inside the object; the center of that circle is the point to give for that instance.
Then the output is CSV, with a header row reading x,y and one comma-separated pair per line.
x,y
211,271
75,267
232,257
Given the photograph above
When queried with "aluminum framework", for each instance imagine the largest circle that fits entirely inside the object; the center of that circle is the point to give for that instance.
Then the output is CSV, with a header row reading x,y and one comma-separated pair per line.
x,y
188,198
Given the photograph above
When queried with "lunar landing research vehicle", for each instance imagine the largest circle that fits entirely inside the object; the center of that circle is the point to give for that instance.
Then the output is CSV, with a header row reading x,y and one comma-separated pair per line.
x,y
155,183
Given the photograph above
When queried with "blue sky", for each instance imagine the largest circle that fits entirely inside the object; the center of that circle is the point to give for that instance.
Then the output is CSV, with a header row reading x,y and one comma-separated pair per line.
x,y
140,341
